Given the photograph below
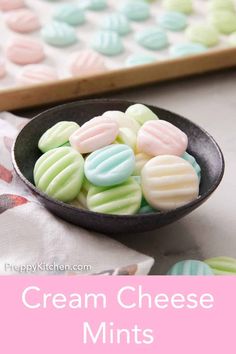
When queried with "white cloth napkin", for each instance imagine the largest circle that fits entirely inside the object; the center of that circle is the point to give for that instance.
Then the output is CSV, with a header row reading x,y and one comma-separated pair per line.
x,y
32,237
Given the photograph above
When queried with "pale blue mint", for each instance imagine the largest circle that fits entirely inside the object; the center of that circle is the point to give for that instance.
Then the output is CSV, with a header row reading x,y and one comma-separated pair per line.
x,y
135,10
107,43
139,59
153,38
94,5
116,22
110,165
59,34
193,162
173,21
185,49
71,14
190,267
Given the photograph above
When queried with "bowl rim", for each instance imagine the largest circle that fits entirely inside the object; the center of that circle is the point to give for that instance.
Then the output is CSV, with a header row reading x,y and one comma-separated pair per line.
x,y
69,207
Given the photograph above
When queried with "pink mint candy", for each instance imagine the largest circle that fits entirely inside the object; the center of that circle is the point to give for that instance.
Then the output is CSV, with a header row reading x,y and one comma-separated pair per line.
x,y
8,5
37,74
159,137
87,62
94,134
24,51
23,21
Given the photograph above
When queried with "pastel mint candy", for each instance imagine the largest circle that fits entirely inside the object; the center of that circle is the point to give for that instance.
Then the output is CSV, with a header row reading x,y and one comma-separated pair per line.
x,y
139,59
173,21
190,267
71,14
203,33
93,5
59,173
140,113
224,21
135,10
187,157
222,265
107,43
185,49
152,38
116,22
185,6
218,5
110,165
82,196
123,199
59,34
58,135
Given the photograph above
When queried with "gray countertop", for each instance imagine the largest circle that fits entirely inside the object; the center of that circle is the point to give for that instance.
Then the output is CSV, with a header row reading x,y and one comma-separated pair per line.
x,y
210,101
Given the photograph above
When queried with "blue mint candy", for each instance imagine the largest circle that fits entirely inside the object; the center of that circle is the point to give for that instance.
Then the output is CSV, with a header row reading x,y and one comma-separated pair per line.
x,y
135,10
70,14
116,22
110,166
185,49
173,21
153,38
190,267
187,157
59,34
107,43
139,59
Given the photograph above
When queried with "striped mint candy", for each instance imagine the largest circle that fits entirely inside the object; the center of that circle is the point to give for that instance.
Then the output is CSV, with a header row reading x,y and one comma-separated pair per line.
x,y
169,182
159,137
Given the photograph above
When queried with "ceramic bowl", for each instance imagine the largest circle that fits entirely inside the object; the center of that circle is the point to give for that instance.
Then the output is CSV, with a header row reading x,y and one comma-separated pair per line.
x,y
201,145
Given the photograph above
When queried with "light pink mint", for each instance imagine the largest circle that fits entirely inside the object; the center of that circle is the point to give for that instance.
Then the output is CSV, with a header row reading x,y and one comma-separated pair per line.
x,y
87,62
23,50
8,5
159,137
23,21
37,74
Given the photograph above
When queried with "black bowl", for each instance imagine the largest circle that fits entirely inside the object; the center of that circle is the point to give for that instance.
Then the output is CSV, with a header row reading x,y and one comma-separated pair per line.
x,y
201,145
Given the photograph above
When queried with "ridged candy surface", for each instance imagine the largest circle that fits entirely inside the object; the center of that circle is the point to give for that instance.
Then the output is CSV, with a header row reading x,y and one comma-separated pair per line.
x,y
140,113
70,14
57,135
94,134
36,74
124,199
169,182
140,160
59,173
116,22
153,38
59,34
94,5
23,21
110,165
159,137
173,21
185,6
222,265
135,10
107,43
122,120
187,157
9,5
23,51
82,197
190,267
86,62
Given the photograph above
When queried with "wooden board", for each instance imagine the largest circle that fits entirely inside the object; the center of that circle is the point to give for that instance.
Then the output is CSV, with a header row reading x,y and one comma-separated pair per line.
x,y
71,89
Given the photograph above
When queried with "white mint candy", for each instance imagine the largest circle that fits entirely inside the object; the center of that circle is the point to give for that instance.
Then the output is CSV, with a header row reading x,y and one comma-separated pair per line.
x,y
169,182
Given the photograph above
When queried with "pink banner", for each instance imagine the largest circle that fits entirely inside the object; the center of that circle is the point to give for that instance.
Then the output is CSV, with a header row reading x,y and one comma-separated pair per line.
x,y
134,315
